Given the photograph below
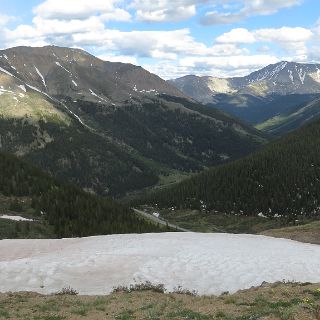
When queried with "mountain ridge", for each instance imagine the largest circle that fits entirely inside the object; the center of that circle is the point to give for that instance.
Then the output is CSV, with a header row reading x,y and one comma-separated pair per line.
x,y
259,96
90,121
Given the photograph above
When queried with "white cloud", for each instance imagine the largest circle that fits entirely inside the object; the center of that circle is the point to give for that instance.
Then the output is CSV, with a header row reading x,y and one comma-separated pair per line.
x,y
229,11
231,62
266,7
81,9
284,34
165,10
245,9
119,58
158,44
238,35
5,19
228,66
290,39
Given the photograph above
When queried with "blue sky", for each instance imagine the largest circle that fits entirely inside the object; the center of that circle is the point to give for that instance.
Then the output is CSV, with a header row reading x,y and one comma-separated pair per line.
x,y
171,37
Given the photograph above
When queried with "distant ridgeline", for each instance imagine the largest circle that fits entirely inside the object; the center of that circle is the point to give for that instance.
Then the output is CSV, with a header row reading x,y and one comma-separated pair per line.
x,y
282,179
71,211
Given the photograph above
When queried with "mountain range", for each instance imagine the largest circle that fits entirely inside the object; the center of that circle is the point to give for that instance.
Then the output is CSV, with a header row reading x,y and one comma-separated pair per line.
x,y
266,98
113,129
110,128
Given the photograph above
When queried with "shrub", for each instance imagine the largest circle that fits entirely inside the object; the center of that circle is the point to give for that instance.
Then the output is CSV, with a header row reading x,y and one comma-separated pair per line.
x,y
67,291
146,286
181,290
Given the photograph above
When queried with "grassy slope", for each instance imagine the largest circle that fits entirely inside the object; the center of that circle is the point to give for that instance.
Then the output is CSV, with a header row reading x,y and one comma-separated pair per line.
x,y
291,119
309,233
278,301
304,230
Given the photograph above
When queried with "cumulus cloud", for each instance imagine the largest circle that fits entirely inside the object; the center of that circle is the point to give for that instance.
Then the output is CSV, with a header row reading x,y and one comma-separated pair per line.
x,y
289,39
81,9
5,19
247,8
238,35
165,10
156,44
284,34
222,11
230,63
226,66
119,58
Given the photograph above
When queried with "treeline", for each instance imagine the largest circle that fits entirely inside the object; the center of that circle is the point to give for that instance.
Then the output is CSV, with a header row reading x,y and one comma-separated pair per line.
x,y
281,179
71,211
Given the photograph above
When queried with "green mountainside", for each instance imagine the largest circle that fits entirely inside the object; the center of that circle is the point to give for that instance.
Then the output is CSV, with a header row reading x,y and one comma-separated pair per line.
x,y
58,209
281,180
292,118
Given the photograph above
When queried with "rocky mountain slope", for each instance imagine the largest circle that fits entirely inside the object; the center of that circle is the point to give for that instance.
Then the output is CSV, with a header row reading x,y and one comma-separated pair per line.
x,y
260,95
109,127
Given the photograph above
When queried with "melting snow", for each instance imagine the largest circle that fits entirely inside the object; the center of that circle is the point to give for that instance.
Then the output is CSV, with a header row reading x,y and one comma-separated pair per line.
x,y
302,75
209,263
7,72
291,76
34,88
23,88
149,91
58,64
41,76
94,94
14,218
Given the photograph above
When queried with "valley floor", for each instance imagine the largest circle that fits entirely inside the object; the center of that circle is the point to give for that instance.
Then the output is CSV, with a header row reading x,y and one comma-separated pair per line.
x,y
280,301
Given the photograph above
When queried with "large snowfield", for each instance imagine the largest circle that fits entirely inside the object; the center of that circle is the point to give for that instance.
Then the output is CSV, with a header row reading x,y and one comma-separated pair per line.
x,y
208,263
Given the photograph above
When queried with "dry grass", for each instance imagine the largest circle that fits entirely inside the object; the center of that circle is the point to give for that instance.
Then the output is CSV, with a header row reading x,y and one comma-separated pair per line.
x,y
277,301
309,233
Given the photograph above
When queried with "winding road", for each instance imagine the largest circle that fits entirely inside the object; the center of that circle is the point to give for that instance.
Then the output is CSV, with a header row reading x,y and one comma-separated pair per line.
x,y
160,221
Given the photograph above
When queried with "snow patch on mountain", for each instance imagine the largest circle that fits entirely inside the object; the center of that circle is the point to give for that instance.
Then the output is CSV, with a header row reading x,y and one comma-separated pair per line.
x,y
59,65
41,76
7,72
208,263
302,75
95,95
22,87
15,218
291,76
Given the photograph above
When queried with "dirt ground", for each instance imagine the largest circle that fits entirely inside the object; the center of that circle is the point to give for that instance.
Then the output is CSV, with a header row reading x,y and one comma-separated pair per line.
x,y
309,233
285,301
